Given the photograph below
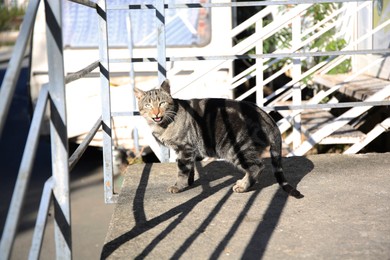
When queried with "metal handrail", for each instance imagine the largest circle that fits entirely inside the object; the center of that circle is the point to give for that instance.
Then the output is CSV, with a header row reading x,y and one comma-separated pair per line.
x,y
251,74
23,178
6,94
84,145
40,224
247,44
232,4
10,78
8,88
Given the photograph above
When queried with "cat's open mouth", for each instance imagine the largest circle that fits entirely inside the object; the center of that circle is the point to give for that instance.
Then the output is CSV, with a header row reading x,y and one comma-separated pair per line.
x,y
157,119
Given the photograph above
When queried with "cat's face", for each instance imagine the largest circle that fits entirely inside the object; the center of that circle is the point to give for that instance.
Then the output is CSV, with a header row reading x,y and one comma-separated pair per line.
x,y
156,105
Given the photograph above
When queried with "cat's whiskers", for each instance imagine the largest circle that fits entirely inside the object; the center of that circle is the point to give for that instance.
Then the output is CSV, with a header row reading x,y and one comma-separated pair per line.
x,y
170,115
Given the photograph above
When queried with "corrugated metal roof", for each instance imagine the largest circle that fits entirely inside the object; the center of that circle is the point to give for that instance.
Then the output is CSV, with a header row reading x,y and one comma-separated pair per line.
x,y
81,25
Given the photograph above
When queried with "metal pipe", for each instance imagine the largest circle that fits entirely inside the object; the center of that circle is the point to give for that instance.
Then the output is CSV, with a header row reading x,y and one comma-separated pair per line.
x,y
327,105
81,73
297,107
258,56
130,45
106,103
85,3
58,130
232,4
161,59
84,145
12,74
24,174
40,224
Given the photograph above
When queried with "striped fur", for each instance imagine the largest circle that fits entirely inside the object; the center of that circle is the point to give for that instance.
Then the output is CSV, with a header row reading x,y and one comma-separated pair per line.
x,y
235,131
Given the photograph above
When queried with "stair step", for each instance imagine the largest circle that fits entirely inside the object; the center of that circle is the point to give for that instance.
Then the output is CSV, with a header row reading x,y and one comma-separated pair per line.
x,y
359,88
313,120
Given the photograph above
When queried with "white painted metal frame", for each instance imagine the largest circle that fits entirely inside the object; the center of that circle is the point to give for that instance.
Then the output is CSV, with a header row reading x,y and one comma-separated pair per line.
x,y
296,88
239,78
57,187
109,195
40,224
339,122
23,179
374,133
58,129
163,151
232,4
13,70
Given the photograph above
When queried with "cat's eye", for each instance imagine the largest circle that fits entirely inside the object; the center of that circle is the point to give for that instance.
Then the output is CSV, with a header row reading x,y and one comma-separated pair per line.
x,y
148,106
163,103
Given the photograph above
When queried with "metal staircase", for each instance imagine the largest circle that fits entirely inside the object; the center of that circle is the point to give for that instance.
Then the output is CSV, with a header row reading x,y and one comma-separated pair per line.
x,y
298,115
318,126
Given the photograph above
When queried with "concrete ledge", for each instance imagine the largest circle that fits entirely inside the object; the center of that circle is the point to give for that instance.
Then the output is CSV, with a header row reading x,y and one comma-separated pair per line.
x,y
344,215
8,36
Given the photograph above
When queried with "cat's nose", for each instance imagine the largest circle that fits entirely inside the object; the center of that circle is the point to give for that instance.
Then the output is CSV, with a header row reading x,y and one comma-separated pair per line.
x,y
156,112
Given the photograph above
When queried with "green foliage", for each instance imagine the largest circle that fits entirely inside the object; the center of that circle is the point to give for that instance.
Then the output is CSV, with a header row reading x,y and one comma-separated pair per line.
x,y
337,45
326,42
321,11
280,40
10,17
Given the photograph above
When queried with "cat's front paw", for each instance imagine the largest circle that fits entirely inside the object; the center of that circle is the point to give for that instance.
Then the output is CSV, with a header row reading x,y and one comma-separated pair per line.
x,y
174,189
241,186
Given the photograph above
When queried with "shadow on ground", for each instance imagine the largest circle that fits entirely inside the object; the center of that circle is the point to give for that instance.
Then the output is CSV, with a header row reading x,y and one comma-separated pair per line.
x,y
215,178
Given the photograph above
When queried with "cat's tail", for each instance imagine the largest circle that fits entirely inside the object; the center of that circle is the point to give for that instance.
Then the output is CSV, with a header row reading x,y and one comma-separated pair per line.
x,y
276,159
288,188
279,175
275,142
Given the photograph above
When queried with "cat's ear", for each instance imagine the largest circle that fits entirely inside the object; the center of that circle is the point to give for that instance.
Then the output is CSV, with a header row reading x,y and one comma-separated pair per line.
x,y
166,86
139,93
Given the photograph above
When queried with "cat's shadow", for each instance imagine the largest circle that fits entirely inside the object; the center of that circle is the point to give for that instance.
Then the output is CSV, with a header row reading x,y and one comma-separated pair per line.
x,y
295,168
217,175
213,177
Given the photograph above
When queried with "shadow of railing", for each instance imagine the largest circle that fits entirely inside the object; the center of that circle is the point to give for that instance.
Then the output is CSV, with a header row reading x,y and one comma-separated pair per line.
x,y
296,169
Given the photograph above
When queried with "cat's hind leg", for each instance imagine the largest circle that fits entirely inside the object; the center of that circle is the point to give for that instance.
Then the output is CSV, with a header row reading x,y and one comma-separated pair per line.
x,y
244,184
252,171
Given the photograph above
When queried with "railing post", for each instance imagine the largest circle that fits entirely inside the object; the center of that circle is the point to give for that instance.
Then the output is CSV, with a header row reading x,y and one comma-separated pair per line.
x,y
161,58
259,67
161,54
40,224
106,103
296,73
13,70
24,174
355,35
134,106
58,130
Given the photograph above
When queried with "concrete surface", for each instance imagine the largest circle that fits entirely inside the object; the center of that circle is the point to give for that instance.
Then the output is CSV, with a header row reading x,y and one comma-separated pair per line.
x,y
345,213
90,215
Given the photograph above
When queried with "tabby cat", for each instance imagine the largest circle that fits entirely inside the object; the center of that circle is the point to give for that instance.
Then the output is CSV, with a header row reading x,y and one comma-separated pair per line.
x,y
236,131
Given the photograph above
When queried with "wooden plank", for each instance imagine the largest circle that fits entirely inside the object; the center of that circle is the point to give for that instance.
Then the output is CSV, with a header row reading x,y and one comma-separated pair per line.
x,y
359,88
315,119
